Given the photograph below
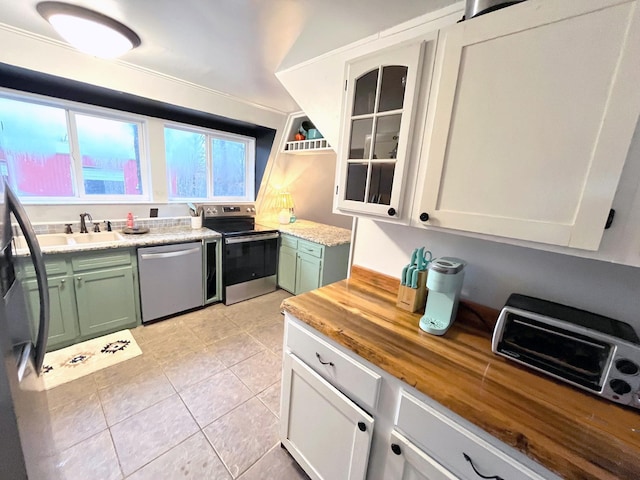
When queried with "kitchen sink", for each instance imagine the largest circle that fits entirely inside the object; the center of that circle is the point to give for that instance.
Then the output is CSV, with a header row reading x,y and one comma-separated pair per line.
x,y
97,237
45,240
58,239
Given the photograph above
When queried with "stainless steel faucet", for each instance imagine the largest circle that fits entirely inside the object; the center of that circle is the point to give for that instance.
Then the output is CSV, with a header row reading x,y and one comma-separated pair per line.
x,y
83,224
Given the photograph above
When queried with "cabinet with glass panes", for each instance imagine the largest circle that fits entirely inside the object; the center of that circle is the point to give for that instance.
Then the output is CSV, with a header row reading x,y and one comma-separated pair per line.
x,y
381,92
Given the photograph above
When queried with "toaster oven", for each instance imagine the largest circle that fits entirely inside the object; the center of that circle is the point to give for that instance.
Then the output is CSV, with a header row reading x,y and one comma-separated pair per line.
x,y
592,352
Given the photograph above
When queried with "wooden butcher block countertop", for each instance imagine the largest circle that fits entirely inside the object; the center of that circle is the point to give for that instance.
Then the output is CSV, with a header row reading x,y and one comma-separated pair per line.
x,y
573,433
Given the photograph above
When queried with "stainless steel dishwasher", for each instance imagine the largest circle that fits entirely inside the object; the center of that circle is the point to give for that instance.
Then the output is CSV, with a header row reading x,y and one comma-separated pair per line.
x,y
170,279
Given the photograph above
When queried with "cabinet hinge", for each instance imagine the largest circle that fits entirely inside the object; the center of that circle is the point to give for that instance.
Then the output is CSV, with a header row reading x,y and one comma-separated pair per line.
x,y
345,85
612,213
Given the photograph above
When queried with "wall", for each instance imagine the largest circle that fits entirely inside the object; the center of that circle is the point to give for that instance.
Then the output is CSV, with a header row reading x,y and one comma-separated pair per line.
x,y
310,180
496,270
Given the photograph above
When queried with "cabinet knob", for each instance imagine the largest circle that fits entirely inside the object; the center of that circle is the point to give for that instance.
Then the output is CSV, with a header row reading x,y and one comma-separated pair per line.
x,y
62,281
391,212
395,448
362,426
424,216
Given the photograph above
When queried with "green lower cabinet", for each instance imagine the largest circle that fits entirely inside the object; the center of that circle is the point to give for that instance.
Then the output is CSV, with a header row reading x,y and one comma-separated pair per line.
x,y
308,273
90,294
287,268
106,301
63,322
305,265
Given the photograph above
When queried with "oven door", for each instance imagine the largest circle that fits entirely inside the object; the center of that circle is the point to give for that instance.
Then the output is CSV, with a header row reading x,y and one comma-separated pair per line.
x,y
249,265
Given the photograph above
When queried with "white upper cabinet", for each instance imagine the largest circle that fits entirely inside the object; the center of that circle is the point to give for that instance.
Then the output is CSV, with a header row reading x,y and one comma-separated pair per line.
x,y
377,128
531,115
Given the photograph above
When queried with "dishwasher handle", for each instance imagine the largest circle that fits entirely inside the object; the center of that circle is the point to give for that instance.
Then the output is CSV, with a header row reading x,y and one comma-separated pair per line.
x,y
177,253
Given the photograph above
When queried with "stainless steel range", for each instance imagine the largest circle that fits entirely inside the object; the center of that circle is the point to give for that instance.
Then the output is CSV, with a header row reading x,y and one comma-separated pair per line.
x,y
249,254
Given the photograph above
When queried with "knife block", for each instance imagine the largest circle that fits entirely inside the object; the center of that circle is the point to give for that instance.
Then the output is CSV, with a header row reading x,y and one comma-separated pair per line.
x,y
413,299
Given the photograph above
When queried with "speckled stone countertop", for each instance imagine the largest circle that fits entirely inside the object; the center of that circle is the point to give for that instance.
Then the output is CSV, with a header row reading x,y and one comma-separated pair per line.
x,y
327,235
156,236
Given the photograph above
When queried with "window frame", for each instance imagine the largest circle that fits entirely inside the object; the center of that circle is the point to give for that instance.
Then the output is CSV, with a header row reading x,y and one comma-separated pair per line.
x,y
210,134
71,109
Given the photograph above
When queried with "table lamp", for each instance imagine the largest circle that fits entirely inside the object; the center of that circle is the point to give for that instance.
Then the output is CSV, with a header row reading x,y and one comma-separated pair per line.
x,y
285,204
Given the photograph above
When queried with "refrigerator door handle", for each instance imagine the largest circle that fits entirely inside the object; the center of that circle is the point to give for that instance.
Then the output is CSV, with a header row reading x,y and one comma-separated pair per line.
x,y
41,274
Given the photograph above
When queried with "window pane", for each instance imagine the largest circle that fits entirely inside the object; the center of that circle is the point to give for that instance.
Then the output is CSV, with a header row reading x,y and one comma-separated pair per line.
x,y
186,163
229,160
34,149
110,156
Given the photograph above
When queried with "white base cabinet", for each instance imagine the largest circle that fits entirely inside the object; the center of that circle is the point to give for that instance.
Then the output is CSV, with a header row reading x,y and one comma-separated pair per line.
x,y
408,462
327,434
324,426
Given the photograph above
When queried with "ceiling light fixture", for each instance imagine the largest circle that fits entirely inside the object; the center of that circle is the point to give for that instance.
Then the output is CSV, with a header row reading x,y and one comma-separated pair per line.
x,y
88,31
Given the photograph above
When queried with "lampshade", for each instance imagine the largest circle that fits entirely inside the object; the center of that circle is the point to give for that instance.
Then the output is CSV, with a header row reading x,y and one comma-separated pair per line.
x,y
285,200
88,31
285,204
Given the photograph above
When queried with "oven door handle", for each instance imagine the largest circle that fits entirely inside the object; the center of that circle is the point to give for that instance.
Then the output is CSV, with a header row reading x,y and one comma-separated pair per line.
x,y
251,238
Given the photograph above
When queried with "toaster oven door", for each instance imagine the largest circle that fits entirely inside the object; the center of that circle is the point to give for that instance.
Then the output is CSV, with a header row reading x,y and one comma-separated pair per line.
x,y
569,355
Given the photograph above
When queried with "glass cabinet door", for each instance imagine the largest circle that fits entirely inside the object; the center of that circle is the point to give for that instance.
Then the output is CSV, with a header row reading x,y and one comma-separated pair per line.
x,y
380,98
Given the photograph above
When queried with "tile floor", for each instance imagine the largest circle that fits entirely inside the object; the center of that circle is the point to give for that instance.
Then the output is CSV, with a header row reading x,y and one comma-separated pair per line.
x,y
201,402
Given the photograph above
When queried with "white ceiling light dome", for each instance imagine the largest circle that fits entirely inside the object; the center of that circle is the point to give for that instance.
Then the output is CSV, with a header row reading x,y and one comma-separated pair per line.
x,y
89,31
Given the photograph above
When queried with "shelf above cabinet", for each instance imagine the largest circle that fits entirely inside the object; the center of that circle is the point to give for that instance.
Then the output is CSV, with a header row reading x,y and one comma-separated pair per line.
x,y
299,122
307,147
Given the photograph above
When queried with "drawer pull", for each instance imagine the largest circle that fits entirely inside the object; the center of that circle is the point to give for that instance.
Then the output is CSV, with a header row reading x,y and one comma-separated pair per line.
x,y
362,426
493,477
395,448
323,363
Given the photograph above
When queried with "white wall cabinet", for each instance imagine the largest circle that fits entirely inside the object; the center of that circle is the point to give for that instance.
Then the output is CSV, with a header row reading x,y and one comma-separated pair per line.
x,y
532,112
381,93
325,388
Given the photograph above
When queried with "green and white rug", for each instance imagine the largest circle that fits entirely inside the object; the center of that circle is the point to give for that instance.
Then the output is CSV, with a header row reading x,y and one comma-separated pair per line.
x,y
67,364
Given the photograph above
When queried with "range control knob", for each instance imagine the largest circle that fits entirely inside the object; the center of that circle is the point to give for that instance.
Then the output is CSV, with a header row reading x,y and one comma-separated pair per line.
x,y
626,366
620,386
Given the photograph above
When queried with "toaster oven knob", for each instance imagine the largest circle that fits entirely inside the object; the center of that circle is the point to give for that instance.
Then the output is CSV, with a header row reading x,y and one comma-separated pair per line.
x,y
620,386
626,366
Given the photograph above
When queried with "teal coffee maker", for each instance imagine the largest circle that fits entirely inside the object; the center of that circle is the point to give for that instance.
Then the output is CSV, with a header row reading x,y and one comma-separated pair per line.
x,y
444,282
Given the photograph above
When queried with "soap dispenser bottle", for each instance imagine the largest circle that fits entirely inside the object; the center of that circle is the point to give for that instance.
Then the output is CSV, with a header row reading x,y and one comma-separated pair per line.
x,y
130,220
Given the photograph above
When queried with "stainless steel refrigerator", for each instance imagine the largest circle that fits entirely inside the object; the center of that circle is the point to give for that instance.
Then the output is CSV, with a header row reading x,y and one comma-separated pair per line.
x,y
25,448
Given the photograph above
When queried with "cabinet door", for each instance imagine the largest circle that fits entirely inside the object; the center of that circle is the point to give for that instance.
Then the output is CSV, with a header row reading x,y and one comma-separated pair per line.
x,y
533,110
327,434
308,273
63,322
106,300
380,98
405,461
287,269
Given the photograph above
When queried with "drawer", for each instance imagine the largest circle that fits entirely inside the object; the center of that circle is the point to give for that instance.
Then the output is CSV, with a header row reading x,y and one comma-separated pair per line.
x,y
56,266
287,241
310,248
102,259
451,444
343,372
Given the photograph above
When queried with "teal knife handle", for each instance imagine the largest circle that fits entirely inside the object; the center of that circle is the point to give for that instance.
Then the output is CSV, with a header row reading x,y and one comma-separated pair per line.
x,y
403,277
414,278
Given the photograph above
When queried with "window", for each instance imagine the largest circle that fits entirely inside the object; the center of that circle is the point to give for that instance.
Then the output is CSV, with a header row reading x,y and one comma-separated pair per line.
x,y
37,144
206,164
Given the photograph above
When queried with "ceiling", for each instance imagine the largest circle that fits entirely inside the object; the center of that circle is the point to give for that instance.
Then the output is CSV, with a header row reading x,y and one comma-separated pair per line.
x,y
234,46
